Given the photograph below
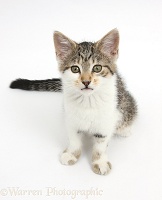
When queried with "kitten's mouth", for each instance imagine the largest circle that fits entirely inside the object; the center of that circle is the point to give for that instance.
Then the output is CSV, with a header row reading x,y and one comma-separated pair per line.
x,y
86,88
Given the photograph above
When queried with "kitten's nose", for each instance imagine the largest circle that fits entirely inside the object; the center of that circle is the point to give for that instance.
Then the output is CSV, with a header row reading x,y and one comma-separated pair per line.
x,y
86,83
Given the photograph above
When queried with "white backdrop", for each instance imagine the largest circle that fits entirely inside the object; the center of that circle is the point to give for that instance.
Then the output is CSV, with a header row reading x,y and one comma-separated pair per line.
x,y
32,133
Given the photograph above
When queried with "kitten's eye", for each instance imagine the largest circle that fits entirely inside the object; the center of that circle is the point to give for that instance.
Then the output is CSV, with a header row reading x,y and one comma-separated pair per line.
x,y
75,69
97,68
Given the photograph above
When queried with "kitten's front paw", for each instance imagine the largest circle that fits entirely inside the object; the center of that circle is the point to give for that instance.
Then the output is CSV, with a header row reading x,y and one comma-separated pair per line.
x,y
68,158
101,167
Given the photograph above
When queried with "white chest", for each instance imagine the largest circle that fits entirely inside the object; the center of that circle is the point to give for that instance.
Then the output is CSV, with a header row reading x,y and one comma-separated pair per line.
x,y
92,114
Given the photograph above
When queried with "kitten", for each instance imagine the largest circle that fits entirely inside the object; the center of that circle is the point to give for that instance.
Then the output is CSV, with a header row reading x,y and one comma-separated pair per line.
x,y
96,101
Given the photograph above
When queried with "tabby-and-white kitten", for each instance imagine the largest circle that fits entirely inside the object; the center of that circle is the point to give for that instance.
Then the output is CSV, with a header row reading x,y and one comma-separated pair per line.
x,y
96,101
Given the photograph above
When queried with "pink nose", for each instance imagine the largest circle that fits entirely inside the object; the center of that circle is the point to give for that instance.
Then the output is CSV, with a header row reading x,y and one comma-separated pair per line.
x,y
86,83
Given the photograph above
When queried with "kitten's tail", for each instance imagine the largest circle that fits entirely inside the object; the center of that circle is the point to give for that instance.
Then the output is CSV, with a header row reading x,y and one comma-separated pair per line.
x,y
54,85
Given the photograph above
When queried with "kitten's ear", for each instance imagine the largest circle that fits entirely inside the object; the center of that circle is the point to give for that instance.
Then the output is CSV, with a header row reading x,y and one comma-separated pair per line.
x,y
63,45
109,44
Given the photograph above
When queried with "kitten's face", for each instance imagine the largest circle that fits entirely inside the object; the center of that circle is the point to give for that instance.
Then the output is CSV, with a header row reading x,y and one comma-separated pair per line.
x,y
86,66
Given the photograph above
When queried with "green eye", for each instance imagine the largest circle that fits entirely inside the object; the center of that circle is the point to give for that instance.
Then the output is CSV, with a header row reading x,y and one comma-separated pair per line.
x,y
97,68
75,69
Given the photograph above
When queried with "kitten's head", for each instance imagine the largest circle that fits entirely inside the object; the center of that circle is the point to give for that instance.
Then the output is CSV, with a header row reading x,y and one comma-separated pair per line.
x,y
86,65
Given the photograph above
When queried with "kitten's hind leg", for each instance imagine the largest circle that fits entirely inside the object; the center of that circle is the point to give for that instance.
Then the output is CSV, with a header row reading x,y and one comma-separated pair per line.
x,y
123,131
71,155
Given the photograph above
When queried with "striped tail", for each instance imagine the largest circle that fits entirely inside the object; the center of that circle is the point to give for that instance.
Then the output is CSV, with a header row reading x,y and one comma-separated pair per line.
x,y
54,85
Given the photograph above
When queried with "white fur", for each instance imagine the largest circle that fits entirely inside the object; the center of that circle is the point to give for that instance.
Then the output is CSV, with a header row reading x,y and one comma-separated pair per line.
x,y
93,111
66,157
104,167
124,132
